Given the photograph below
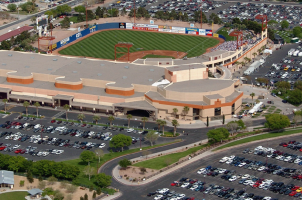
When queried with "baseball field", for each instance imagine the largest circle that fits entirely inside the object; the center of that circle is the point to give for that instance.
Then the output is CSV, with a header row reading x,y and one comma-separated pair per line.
x,y
101,45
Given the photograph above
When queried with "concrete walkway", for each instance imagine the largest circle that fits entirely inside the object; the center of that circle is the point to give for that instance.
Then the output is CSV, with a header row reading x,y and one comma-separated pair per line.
x,y
111,197
10,190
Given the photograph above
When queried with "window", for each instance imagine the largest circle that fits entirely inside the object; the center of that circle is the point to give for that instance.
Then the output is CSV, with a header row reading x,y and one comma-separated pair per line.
x,y
217,111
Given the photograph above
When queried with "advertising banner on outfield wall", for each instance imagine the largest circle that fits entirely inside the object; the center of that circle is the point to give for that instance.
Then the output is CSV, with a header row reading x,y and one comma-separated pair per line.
x,y
202,31
129,25
215,35
139,28
178,29
164,27
209,32
192,31
151,29
122,25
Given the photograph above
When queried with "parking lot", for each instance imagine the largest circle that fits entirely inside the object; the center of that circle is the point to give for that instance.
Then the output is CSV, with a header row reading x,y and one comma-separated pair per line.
x,y
71,139
190,172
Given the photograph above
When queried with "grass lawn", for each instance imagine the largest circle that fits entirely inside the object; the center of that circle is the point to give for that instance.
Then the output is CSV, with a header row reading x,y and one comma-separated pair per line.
x,y
101,45
83,179
164,161
224,33
13,195
260,137
156,56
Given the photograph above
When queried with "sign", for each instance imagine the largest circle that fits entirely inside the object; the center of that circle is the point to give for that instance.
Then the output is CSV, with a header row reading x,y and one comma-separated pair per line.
x,y
164,27
122,25
79,29
191,25
129,25
209,32
151,21
164,30
215,35
151,29
178,29
78,35
192,31
202,31
64,41
54,46
139,28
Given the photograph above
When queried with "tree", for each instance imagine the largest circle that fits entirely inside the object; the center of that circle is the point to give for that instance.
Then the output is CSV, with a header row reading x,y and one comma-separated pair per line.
x,y
158,122
58,195
295,97
143,170
175,124
68,197
232,127
263,80
276,121
51,180
89,171
151,137
217,135
81,117
284,24
99,153
175,111
185,110
71,188
29,176
163,124
103,180
37,104
144,119
63,9
297,119
87,156
111,118
94,195
5,102
123,12
66,108
65,23
80,9
129,117
120,141
26,104
255,54
41,185
90,15
99,190
298,85
12,7
252,95
124,163
297,31
96,118
283,85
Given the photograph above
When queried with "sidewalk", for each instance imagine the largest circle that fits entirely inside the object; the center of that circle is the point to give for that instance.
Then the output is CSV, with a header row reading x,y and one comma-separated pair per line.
x,y
111,197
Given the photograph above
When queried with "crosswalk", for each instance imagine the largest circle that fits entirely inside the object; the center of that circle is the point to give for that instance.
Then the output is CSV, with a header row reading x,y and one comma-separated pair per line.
x,y
59,114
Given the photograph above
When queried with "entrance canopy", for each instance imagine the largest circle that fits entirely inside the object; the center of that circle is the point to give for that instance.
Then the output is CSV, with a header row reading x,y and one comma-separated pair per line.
x,y
140,105
63,97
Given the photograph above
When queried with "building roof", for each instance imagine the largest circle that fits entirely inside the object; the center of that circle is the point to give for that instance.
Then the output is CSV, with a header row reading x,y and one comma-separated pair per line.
x,y
159,59
7,177
14,33
35,191
201,85
144,105
215,53
214,96
185,67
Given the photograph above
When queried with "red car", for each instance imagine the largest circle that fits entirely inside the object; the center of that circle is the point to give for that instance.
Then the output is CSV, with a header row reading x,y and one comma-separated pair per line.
x,y
62,16
300,150
22,151
256,185
18,151
8,127
174,183
2,148
293,193
73,134
83,125
295,188
53,121
285,145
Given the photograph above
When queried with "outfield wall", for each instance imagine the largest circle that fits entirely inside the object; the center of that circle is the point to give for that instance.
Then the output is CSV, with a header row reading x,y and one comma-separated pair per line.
x,y
143,27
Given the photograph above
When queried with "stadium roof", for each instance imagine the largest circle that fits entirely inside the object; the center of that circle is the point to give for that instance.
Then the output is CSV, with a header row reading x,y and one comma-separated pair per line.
x,y
7,177
14,33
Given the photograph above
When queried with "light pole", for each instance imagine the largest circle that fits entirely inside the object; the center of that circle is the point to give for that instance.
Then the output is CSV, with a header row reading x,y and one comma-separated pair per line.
x,y
204,180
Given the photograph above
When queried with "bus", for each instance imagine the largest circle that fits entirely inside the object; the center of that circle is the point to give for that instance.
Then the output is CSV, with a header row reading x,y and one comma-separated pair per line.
x,y
291,51
296,53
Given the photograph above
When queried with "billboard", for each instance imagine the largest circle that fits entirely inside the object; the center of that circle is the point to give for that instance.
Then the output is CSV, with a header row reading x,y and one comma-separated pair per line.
x,y
192,31
209,32
53,46
164,28
139,28
215,35
178,29
151,29
129,25
202,31
122,25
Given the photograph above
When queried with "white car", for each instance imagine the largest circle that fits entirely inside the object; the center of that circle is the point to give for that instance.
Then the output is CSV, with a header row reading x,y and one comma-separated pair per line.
x,y
194,187
201,171
261,168
224,159
229,161
245,176
158,197
267,198
185,185
130,130
102,145
164,190
242,164
59,152
233,178
37,126
221,171
180,196
16,146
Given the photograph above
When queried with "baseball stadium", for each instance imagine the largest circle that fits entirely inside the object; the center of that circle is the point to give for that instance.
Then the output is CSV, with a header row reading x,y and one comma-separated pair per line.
x,y
139,69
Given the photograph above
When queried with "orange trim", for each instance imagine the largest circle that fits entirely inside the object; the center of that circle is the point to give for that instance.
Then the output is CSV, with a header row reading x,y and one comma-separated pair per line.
x,y
120,92
245,53
217,103
69,86
20,80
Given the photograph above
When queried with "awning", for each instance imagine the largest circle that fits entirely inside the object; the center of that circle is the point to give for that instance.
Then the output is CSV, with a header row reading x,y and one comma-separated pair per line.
x,y
35,191
63,97
88,105
30,98
140,105
5,90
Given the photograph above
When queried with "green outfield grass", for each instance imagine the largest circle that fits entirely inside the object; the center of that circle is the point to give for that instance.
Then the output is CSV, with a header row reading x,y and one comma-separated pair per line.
x,y
156,56
101,45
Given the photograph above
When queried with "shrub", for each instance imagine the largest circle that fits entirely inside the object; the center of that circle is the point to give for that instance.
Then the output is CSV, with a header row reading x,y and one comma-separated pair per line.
x,y
71,188
21,183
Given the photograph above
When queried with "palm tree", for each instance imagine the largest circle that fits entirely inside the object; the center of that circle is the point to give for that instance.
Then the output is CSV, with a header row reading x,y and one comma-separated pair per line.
x,y
252,95
4,101
144,119
96,118
246,59
111,118
81,117
175,124
175,111
26,104
163,123
37,104
185,110
129,117
259,51
158,122
66,108
254,54
242,63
